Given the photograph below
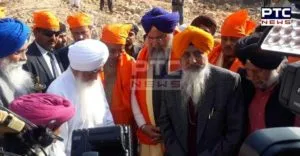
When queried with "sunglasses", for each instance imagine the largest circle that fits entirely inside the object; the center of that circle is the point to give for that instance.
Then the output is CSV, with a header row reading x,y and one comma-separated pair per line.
x,y
49,33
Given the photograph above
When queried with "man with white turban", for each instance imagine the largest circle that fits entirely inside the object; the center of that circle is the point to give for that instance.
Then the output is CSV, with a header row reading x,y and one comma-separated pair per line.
x,y
81,84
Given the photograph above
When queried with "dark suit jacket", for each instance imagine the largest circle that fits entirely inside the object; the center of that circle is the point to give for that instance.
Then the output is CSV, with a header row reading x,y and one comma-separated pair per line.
x,y
217,135
37,65
62,54
275,114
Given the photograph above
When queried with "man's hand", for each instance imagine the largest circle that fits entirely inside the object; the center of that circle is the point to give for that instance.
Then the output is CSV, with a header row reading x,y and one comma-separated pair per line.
x,y
153,132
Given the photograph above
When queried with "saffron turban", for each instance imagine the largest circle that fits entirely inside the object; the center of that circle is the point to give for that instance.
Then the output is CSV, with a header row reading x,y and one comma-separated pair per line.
x,y
201,39
161,19
116,33
79,20
46,20
13,35
238,25
248,48
41,109
87,55
2,12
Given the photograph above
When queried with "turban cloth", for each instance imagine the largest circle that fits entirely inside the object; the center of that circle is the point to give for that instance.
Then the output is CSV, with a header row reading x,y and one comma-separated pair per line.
x,y
161,19
238,25
88,55
116,33
46,20
248,49
2,12
79,20
201,39
41,109
13,35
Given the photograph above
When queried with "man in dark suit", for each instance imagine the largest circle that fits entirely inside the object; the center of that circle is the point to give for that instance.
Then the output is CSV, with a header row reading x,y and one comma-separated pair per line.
x,y
81,28
203,116
261,85
42,62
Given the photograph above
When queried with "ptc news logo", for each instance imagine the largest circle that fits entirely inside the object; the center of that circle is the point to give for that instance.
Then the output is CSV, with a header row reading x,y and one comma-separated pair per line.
x,y
276,16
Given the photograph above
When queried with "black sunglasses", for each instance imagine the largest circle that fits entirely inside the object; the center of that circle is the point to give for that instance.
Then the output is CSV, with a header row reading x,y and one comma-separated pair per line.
x,y
49,33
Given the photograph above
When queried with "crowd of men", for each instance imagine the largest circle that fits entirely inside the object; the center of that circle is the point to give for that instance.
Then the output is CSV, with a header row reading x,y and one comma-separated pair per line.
x,y
183,92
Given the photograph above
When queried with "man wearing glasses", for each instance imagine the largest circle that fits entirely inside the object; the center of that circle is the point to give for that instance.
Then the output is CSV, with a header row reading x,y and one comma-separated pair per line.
x,y
151,66
42,62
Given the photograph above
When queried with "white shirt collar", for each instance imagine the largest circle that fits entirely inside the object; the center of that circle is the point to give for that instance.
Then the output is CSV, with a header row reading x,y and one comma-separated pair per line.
x,y
42,50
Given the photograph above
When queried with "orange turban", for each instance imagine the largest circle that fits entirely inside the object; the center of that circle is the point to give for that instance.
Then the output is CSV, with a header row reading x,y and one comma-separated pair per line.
x,y
79,20
46,20
238,24
2,12
116,33
201,39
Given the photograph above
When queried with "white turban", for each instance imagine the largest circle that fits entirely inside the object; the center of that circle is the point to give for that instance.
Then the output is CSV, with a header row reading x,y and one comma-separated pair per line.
x,y
87,55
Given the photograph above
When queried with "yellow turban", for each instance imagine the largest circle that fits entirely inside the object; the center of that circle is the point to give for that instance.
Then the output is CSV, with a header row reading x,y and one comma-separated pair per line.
x,y
238,24
46,20
2,12
201,39
79,20
116,33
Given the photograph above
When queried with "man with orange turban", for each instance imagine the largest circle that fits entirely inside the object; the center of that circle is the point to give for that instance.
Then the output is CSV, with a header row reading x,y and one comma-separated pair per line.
x,y
235,26
81,26
210,111
151,66
117,73
44,65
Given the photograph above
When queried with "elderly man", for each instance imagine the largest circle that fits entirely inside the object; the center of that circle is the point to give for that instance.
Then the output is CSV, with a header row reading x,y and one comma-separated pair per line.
x,y
80,25
42,109
208,101
42,62
62,38
235,26
151,65
261,85
81,84
14,81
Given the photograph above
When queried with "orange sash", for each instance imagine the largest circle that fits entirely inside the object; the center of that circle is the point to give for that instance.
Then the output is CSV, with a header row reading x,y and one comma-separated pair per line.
x,y
121,96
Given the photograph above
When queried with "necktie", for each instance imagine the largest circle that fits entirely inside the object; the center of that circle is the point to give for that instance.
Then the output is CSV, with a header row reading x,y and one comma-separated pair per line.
x,y
54,69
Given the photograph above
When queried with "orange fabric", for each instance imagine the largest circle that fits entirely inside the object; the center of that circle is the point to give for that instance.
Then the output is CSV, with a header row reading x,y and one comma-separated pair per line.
x,y
121,101
292,59
116,33
141,93
216,53
79,20
238,24
46,20
191,35
2,12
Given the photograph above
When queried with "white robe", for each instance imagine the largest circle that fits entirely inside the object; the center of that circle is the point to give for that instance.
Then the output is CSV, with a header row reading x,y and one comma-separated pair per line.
x,y
65,85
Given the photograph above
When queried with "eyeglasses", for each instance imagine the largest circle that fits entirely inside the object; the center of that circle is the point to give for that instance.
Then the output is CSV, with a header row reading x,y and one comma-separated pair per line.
x,y
158,38
49,33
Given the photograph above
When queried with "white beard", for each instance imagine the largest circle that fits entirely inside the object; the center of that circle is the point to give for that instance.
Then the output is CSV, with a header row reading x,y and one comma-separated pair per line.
x,y
193,84
21,79
92,101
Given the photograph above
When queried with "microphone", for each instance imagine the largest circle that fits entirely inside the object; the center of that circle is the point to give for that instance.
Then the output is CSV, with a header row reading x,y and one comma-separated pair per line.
x,y
11,123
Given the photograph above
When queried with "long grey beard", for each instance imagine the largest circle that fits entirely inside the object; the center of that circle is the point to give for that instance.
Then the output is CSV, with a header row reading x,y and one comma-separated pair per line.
x,y
158,58
19,78
192,84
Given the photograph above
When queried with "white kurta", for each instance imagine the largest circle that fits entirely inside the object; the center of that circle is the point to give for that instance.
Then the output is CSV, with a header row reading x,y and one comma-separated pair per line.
x,y
65,85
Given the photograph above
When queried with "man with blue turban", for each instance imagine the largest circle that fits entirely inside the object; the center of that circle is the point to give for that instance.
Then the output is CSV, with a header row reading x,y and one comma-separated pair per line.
x,y
14,81
151,66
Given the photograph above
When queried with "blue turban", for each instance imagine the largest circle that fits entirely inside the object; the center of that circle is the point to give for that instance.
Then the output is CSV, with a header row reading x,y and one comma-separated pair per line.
x,y
161,19
13,35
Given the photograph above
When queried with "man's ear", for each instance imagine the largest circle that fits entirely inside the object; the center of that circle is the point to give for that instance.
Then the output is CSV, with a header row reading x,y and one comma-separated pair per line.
x,y
35,31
